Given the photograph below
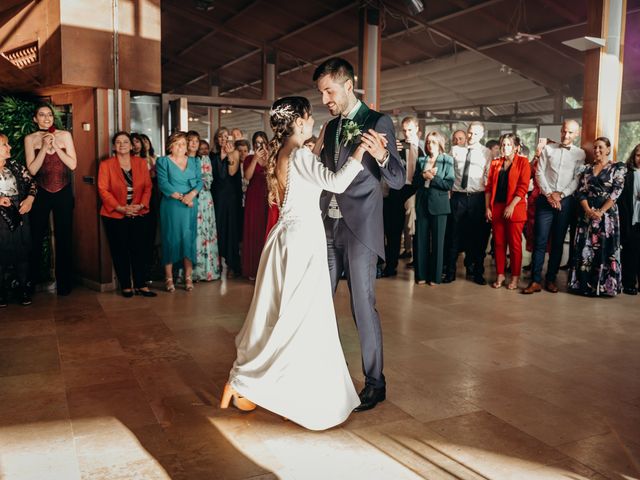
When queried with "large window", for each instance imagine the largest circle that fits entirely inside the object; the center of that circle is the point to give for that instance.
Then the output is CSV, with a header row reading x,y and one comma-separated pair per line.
x,y
146,117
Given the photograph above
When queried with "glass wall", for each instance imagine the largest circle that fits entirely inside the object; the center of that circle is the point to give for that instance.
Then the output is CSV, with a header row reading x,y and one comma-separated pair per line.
x,y
146,117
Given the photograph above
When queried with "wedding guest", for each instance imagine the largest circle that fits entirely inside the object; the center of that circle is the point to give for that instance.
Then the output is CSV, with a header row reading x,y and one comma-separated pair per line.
x,y
469,230
179,181
494,148
51,158
17,193
393,205
433,180
207,265
256,205
459,138
243,148
534,193
124,186
203,149
557,175
137,147
629,205
237,134
152,217
597,248
227,199
506,207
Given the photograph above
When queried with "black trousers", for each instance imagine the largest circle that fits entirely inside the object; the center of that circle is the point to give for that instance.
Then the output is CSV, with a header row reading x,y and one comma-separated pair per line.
x,y
129,244
346,253
393,214
61,204
469,232
630,258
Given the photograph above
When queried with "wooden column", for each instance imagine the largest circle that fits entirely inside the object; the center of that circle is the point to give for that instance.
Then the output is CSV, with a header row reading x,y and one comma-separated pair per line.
x,y
269,62
369,56
179,111
603,72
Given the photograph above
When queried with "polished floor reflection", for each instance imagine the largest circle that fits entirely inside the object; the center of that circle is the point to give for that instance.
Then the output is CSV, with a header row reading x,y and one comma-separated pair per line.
x,y
482,384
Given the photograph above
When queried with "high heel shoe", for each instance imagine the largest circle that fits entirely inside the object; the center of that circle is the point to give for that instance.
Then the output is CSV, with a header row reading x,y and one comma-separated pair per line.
x,y
239,402
188,284
168,285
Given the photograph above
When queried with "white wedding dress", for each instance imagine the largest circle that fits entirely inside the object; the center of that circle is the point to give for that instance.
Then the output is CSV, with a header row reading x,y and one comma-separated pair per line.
x,y
289,359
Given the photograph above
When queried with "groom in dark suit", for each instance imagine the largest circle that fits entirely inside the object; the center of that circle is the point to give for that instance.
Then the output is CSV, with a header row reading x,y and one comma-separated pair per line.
x,y
353,220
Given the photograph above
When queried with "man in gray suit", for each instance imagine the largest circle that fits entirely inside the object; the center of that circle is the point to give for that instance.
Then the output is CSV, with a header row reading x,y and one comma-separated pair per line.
x,y
353,220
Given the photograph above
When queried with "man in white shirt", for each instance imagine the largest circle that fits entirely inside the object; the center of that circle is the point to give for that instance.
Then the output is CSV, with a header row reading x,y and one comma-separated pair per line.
x,y
557,175
393,209
468,226
459,138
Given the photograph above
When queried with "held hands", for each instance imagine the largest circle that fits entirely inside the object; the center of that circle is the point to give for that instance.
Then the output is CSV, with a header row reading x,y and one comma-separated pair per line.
x,y
375,143
188,199
595,214
25,205
554,200
5,202
48,141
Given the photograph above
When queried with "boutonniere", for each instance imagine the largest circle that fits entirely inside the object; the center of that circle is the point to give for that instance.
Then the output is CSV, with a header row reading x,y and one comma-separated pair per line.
x,y
350,133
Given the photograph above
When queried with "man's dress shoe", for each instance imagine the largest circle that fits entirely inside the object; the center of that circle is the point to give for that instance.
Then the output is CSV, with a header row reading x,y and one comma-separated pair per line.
x,y
370,397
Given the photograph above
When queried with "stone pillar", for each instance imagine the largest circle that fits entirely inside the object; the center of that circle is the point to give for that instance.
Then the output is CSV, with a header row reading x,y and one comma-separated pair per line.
x,y
269,61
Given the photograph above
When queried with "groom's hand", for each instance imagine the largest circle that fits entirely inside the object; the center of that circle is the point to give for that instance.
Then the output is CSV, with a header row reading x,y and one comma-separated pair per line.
x,y
376,144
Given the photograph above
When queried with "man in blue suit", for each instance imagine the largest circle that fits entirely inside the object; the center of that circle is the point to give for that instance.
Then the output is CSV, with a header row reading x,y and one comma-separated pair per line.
x,y
353,220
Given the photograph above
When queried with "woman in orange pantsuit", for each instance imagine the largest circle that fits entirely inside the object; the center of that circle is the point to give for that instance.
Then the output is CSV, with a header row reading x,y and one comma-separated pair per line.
x,y
506,206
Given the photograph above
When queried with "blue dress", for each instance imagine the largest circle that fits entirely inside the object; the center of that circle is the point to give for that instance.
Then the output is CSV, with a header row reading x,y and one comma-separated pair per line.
x,y
178,223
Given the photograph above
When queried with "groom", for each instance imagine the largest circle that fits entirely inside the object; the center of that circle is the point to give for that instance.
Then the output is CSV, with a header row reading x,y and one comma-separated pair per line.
x,y
353,219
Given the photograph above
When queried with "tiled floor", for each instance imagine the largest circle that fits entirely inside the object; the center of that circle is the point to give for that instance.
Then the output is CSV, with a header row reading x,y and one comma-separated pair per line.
x,y
482,384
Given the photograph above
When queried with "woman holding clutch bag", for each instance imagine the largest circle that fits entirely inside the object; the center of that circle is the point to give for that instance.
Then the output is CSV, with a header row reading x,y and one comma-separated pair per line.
x,y
17,192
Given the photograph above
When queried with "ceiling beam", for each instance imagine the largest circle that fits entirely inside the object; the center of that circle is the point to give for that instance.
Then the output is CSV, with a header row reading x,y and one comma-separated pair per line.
x,y
213,31
274,42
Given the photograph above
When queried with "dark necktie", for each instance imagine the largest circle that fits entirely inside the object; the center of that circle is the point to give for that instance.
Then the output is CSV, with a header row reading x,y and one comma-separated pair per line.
x,y
465,171
337,150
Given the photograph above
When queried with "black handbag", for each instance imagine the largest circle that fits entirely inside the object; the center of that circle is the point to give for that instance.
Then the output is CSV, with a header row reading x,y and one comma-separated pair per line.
x,y
11,216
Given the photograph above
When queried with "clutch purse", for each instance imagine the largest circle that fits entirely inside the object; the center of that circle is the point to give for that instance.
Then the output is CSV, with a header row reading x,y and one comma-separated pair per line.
x,y
11,216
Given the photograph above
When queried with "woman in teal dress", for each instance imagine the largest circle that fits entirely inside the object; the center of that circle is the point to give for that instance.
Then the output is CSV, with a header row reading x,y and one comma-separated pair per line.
x,y
179,181
207,267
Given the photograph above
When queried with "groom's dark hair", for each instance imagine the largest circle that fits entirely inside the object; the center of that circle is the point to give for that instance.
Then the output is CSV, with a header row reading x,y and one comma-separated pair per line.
x,y
337,67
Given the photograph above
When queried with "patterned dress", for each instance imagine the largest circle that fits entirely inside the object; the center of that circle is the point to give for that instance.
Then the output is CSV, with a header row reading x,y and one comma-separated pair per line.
x,y
597,245
207,267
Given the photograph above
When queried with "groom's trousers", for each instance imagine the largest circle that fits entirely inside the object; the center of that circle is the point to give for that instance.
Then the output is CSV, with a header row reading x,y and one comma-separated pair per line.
x,y
346,253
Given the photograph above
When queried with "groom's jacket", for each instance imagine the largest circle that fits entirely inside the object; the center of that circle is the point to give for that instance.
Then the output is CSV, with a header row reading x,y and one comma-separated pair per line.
x,y
361,204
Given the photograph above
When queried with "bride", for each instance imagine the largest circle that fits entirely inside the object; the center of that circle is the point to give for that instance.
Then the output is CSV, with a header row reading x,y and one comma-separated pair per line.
x,y
289,358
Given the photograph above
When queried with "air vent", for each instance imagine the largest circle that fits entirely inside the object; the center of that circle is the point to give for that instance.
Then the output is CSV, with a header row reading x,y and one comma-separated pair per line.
x,y
24,56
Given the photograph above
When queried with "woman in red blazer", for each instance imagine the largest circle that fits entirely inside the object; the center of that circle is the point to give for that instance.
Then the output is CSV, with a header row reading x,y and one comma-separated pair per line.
x,y
506,202
124,185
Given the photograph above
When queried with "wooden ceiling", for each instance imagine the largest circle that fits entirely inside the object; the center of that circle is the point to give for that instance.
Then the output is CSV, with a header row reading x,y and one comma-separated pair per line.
x,y
227,42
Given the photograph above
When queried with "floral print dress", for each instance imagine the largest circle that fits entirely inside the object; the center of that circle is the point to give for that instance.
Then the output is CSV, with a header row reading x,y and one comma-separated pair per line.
x,y
207,267
597,245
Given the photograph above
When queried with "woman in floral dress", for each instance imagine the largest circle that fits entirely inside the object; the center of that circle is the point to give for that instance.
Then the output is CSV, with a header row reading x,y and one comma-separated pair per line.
x,y
597,247
207,266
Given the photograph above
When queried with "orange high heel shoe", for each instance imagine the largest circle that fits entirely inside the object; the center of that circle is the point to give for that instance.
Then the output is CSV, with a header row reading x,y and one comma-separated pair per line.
x,y
239,402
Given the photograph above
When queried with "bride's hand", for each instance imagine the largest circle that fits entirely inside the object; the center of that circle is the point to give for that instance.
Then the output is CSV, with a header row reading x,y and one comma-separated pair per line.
x,y
359,153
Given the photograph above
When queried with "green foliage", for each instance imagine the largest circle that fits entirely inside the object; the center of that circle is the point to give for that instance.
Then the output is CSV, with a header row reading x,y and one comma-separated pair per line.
x,y
16,122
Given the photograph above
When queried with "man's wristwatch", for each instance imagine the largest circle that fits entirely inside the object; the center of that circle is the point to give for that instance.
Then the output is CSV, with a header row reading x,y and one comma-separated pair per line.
x,y
385,157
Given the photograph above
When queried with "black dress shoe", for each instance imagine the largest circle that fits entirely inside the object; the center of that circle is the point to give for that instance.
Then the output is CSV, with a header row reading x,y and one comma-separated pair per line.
x,y
145,293
370,397
4,300
630,291
25,298
128,294
449,279
479,279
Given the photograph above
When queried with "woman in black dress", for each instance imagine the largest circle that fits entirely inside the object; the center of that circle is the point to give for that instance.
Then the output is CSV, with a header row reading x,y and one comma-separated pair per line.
x,y
227,199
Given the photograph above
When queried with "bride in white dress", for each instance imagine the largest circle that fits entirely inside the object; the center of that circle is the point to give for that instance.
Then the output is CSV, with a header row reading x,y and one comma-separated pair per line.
x,y
289,358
